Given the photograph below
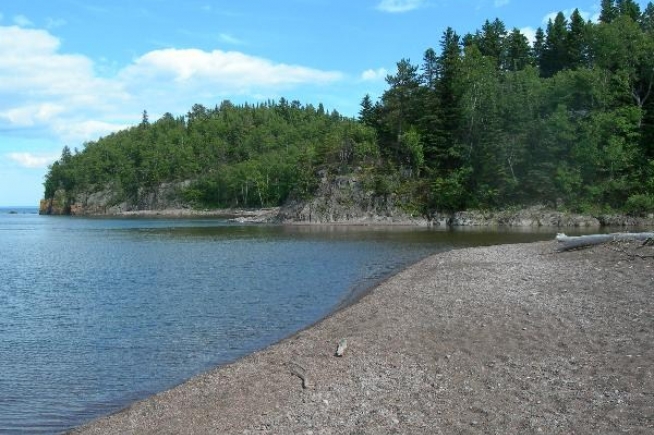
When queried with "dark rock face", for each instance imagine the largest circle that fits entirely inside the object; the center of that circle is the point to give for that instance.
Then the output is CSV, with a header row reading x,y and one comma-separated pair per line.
x,y
345,200
107,202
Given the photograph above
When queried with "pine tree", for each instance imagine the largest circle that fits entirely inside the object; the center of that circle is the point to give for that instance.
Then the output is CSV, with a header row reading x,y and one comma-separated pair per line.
x,y
555,56
577,45
628,8
539,46
647,19
517,51
366,114
491,41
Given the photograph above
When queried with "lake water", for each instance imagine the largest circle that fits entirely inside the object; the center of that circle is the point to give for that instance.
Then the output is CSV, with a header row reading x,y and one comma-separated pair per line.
x,y
98,313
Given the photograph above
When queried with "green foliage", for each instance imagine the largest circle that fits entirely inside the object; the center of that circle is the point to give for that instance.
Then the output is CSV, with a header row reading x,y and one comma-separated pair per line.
x,y
450,193
485,121
639,205
246,156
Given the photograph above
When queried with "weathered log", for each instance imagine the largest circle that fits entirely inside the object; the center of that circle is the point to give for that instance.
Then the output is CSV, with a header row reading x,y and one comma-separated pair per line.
x,y
567,242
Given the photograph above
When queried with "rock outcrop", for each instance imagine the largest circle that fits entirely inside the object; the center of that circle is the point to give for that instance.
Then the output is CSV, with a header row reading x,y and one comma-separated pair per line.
x,y
342,199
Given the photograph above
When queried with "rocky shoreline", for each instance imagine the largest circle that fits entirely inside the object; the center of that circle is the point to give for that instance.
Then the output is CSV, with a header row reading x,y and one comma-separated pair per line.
x,y
501,339
340,200
532,217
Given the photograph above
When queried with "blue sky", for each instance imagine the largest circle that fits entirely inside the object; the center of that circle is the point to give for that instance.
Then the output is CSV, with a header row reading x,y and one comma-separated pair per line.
x,y
72,71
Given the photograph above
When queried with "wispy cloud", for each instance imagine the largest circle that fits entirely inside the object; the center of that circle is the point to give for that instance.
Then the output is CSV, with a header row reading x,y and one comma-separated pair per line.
x,y
53,23
399,6
374,75
530,34
22,21
229,39
500,3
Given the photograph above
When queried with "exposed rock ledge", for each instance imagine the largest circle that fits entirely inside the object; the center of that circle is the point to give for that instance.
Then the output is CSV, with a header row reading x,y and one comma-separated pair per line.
x,y
341,200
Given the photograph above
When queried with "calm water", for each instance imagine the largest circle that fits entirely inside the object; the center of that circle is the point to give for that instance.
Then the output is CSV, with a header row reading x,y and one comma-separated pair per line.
x,y
97,313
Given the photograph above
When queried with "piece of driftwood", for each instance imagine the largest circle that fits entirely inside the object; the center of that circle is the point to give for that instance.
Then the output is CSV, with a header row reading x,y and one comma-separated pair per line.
x,y
567,242
342,345
300,372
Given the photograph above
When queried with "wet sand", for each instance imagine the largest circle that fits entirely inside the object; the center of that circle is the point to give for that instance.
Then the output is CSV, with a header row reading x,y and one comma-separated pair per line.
x,y
503,339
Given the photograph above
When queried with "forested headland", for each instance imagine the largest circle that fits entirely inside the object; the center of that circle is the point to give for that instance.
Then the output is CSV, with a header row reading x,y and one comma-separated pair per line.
x,y
487,120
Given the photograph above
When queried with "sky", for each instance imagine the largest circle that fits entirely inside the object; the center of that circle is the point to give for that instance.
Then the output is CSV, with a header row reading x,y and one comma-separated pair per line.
x,y
72,71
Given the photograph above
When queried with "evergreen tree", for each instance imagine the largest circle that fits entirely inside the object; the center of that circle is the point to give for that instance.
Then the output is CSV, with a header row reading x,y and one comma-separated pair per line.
x,y
555,50
628,8
518,52
609,11
647,19
491,41
442,153
400,102
366,114
577,44
539,46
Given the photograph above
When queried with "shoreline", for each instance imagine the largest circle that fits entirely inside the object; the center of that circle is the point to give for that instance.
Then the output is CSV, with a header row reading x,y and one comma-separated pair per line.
x,y
506,339
528,217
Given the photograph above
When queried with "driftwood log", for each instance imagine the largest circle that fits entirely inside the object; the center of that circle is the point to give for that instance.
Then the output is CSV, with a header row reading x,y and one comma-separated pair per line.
x,y
566,242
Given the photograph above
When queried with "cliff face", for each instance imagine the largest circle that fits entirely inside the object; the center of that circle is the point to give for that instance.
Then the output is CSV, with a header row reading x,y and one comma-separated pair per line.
x,y
107,202
345,199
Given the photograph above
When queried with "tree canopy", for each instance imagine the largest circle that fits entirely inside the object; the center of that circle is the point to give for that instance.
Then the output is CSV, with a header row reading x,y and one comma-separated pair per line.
x,y
489,119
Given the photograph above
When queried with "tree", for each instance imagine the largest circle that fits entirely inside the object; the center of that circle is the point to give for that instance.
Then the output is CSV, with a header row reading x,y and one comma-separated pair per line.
x,y
491,41
539,46
577,42
555,53
442,153
366,113
628,8
399,99
145,120
647,19
609,11
518,52
430,69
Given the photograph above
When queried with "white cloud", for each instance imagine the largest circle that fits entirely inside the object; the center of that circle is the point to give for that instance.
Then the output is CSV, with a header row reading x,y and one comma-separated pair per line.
x,y
43,89
397,6
29,115
234,71
39,87
22,21
500,3
373,75
86,128
33,161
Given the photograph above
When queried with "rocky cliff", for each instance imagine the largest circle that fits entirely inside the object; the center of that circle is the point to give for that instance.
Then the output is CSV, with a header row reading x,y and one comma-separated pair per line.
x,y
339,199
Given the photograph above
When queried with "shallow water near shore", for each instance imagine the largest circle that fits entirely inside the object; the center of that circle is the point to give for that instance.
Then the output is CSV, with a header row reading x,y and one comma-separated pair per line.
x,y
98,313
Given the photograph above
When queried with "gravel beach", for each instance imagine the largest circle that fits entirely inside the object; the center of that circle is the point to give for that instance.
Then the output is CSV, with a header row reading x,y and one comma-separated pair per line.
x,y
495,340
